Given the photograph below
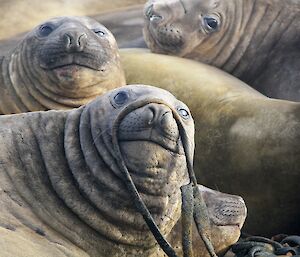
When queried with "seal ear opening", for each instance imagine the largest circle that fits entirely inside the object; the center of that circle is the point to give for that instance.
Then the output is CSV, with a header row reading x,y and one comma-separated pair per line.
x,y
139,203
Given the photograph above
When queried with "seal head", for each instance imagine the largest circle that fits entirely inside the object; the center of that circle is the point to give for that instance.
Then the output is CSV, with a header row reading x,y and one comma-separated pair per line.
x,y
63,63
152,149
178,26
226,213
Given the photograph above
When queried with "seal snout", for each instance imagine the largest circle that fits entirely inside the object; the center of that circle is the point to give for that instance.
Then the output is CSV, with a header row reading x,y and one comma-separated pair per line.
x,y
163,121
75,41
170,36
152,122
230,212
225,209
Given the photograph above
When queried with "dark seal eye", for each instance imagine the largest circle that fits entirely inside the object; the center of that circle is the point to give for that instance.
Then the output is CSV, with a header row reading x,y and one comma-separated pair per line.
x,y
121,98
99,32
183,113
45,30
211,24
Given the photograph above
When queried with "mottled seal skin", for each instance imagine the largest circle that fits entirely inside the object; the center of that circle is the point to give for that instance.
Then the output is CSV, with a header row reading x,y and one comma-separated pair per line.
x,y
61,64
62,190
246,143
255,40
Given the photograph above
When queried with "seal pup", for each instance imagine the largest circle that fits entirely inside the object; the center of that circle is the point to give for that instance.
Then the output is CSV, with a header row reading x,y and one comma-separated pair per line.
x,y
255,40
246,143
63,63
62,188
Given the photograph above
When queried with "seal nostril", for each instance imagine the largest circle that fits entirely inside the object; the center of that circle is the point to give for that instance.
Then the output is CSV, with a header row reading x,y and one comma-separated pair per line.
x,y
74,41
81,39
151,115
151,15
155,17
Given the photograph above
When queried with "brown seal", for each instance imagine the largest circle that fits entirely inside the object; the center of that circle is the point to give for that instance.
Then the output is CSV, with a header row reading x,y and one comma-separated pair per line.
x,y
63,63
63,190
255,40
246,143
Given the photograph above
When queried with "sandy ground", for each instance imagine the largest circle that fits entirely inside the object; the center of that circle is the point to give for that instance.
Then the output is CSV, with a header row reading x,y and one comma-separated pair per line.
x,y
21,15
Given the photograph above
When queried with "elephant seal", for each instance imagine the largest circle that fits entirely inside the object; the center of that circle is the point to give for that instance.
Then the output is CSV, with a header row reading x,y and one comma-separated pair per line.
x,y
255,40
61,64
62,187
246,143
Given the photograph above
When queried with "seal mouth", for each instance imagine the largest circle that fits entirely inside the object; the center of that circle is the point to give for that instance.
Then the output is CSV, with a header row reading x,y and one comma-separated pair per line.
x,y
68,61
71,65
173,148
166,46
233,225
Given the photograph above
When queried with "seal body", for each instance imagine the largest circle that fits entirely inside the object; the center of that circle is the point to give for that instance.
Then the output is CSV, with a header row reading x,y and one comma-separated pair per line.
x,y
61,64
61,187
246,143
256,41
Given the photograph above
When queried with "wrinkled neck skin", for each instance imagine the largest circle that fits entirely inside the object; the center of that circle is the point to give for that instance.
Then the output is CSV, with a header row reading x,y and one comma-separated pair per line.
x,y
28,87
251,32
65,171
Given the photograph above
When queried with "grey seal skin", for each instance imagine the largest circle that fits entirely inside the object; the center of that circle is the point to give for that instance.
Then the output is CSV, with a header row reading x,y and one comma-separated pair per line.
x,y
255,40
246,143
61,188
63,63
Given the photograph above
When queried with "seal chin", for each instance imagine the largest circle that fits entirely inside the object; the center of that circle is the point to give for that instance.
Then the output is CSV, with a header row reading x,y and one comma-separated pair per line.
x,y
164,143
74,76
224,236
149,159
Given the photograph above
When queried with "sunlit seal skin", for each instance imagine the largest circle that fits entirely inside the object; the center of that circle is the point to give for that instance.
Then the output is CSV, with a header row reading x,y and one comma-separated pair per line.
x,y
255,40
246,143
61,64
61,188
